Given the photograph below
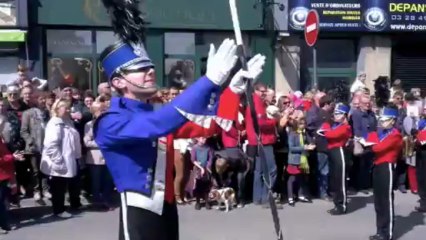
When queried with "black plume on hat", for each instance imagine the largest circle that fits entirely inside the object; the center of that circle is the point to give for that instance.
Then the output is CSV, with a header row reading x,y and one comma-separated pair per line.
x,y
127,20
342,92
382,92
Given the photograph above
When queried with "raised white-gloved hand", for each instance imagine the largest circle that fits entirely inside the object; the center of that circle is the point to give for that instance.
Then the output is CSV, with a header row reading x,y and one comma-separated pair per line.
x,y
254,69
221,62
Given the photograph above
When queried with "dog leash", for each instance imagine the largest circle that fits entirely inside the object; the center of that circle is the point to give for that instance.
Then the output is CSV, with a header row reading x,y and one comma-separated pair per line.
x,y
249,95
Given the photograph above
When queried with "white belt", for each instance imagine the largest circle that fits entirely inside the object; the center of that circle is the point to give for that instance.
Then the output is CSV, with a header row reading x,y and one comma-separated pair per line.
x,y
153,203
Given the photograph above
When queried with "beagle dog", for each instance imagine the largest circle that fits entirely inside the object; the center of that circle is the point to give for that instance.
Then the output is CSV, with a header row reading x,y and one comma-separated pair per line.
x,y
224,196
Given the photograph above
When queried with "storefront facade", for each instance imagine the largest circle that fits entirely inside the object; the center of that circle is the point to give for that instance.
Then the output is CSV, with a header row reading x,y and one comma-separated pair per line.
x,y
13,31
74,33
380,38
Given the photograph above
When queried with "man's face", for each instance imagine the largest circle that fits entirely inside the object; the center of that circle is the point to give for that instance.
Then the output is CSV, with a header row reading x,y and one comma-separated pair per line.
x,y
104,88
67,93
173,93
397,99
22,76
13,96
365,104
270,97
141,84
27,95
41,101
261,92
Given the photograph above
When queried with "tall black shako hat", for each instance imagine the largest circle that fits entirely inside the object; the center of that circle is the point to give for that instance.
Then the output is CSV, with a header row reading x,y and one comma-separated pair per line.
x,y
128,54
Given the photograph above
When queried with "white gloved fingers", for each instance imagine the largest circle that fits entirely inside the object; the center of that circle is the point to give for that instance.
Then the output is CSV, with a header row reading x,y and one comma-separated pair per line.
x,y
224,48
212,51
253,60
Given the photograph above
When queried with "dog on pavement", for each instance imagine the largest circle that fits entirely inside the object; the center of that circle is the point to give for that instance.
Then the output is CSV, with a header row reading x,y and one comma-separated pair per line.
x,y
223,196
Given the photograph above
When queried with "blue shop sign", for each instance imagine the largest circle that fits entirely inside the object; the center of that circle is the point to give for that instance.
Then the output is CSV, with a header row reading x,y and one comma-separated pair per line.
x,y
361,15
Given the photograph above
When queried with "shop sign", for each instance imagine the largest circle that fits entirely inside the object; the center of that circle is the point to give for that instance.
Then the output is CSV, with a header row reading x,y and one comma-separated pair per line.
x,y
361,15
13,13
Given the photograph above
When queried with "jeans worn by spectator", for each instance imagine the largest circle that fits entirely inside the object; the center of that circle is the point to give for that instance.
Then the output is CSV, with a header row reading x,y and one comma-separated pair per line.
x,y
322,175
4,192
102,185
239,166
260,190
39,180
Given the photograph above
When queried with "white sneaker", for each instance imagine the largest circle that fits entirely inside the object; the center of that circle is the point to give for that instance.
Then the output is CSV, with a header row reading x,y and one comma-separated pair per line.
x,y
47,195
37,196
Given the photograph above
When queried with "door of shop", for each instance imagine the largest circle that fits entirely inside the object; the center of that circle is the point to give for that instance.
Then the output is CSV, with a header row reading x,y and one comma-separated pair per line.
x,y
409,64
328,78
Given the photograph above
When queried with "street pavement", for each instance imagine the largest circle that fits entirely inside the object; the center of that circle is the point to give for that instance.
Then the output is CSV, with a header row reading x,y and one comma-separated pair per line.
x,y
303,222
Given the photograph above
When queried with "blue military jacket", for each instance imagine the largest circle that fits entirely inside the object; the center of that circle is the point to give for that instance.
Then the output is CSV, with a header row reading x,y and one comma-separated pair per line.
x,y
127,133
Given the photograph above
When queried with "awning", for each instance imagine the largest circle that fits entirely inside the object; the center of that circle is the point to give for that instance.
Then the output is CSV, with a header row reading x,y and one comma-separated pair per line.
x,y
12,35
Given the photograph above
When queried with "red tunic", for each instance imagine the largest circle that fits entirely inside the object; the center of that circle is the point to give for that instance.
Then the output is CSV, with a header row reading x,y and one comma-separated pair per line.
x,y
388,149
421,136
7,167
267,126
337,137
228,109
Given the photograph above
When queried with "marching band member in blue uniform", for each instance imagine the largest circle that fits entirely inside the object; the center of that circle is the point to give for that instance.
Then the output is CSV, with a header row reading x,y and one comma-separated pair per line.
x,y
127,133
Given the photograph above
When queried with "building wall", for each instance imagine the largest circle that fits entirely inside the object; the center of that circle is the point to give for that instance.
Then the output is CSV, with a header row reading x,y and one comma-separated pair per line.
x,y
287,64
373,57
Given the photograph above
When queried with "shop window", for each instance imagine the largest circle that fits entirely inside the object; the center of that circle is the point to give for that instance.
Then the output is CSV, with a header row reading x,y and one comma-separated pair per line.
x,y
179,64
70,72
69,41
179,43
104,39
8,67
204,39
179,72
332,53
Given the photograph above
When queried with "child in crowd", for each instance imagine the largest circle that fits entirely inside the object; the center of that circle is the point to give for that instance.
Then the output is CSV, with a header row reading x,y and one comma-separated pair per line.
x,y
7,178
202,157
298,166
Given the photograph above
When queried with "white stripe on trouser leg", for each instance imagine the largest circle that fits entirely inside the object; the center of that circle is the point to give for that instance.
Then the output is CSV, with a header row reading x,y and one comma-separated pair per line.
x,y
390,200
124,216
342,157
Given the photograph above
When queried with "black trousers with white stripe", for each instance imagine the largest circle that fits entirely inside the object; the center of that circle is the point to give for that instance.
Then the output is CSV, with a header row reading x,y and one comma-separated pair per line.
x,y
383,176
421,176
141,224
338,171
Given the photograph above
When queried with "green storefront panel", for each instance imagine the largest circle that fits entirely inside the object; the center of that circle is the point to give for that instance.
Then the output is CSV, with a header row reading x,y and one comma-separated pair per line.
x,y
263,44
174,14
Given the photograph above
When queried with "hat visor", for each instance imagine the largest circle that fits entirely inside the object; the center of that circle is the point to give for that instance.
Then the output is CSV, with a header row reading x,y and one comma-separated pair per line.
x,y
386,118
338,112
139,66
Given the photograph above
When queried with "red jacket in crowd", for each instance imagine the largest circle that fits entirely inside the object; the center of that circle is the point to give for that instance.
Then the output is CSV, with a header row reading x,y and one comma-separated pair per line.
x,y
7,167
421,136
227,109
267,126
388,149
231,138
337,136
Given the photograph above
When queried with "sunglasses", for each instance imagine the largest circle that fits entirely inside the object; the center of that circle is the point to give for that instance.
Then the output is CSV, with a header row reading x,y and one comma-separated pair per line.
x,y
286,103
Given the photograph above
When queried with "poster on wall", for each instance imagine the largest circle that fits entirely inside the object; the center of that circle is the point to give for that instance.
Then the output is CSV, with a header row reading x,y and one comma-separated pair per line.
x,y
361,15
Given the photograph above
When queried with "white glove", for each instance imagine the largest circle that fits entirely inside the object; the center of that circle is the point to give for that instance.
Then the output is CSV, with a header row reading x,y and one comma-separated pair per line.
x,y
221,62
254,69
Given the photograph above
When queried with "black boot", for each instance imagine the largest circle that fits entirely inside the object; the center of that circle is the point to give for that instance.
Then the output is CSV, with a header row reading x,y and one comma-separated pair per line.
x,y
336,211
378,237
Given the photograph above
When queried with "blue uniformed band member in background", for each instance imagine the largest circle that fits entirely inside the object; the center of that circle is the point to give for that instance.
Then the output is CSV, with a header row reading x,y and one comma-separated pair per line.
x,y
386,144
337,136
